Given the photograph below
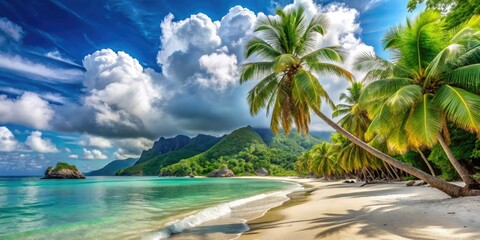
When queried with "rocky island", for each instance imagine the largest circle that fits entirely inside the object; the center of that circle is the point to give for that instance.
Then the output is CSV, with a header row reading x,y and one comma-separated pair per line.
x,y
63,171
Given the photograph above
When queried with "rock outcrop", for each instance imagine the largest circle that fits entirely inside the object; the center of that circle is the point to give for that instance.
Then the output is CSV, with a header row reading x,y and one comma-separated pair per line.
x,y
261,172
63,171
222,172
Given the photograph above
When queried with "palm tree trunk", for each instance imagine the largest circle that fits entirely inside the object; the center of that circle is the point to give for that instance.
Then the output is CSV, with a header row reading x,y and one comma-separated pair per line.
x,y
394,170
450,189
469,181
388,171
426,162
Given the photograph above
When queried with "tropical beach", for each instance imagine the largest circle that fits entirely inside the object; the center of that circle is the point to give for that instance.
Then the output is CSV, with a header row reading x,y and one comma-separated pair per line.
x,y
213,120
336,210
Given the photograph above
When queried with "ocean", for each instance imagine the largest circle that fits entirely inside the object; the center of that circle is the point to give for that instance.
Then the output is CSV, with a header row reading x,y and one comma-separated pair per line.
x,y
134,207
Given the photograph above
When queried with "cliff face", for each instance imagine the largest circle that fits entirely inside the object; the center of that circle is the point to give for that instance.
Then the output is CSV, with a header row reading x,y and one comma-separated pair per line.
x,y
63,171
164,145
151,166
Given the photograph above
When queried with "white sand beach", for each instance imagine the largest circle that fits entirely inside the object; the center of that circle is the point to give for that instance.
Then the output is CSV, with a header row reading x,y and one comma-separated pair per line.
x,y
336,210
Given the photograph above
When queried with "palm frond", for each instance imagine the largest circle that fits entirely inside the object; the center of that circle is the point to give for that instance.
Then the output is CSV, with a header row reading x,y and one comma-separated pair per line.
x,y
261,48
255,70
424,123
467,77
404,99
461,107
331,69
332,53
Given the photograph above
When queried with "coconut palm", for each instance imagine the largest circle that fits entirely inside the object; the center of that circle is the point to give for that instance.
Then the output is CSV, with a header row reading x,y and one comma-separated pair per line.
x,y
355,120
323,162
433,80
286,46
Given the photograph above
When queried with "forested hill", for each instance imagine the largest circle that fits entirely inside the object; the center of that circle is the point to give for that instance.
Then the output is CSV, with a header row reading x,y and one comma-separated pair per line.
x,y
244,151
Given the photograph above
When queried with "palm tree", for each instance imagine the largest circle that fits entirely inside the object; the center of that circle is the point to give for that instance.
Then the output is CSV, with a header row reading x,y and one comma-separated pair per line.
x,y
288,85
432,81
355,120
323,161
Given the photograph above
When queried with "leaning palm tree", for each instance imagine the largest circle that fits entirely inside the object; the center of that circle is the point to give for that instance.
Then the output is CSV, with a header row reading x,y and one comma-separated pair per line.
x,y
288,86
433,80
355,120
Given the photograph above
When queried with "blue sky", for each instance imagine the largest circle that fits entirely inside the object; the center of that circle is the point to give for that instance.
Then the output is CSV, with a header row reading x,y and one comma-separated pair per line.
x,y
91,81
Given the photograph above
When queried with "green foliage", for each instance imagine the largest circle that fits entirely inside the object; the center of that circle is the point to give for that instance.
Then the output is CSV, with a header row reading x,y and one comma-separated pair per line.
x,y
414,159
287,87
463,146
433,78
243,151
458,11
64,165
152,165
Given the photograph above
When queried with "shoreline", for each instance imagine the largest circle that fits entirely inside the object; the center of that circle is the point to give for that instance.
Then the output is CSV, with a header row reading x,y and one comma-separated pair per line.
x,y
335,210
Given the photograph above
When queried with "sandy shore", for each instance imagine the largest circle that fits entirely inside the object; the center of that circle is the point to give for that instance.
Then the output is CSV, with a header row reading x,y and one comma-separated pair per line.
x,y
335,210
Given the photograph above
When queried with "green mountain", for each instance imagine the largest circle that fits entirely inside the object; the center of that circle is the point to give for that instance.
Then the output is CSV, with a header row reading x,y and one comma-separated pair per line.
x,y
114,166
153,159
203,163
164,145
245,150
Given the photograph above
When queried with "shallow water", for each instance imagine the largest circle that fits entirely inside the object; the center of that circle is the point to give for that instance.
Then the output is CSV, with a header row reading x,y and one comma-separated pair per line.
x,y
119,207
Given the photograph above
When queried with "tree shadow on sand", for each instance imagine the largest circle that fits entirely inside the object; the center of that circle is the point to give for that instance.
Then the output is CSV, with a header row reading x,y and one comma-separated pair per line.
x,y
387,219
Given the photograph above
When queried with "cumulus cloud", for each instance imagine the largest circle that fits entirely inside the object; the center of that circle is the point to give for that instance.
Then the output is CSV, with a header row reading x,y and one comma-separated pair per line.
x,y
122,99
236,27
74,156
120,91
10,31
94,141
93,154
28,109
39,144
8,142
197,90
221,71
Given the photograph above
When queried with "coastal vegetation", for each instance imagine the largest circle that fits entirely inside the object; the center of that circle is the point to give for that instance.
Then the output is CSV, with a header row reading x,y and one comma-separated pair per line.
x,y
244,151
402,105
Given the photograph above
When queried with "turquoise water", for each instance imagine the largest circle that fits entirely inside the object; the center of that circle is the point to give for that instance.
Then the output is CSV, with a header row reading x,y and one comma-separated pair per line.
x,y
112,207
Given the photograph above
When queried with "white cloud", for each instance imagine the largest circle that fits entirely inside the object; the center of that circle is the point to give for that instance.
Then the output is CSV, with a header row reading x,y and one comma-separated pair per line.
x,y
221,71
8,142
68,150
10,30
56,55
39,144
122,94
236,27
74,156
131,147
28,109
39,71
93,154
48,96
123,154
196,32
94,141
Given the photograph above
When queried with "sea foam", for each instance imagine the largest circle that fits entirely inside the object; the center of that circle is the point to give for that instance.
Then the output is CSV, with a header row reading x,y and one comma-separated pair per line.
x,y
208,214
